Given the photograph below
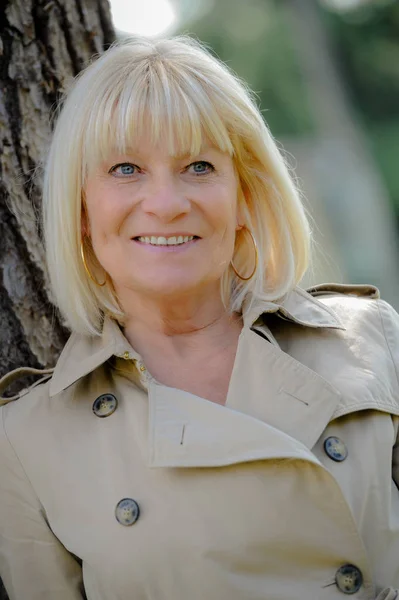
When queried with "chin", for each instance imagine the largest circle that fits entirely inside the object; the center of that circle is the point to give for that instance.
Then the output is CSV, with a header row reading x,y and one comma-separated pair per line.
x,y
172,284
164,284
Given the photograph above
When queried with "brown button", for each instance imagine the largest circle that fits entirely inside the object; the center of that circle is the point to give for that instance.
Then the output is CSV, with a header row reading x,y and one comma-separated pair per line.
x,y
127,512
105,405
335,449
349,579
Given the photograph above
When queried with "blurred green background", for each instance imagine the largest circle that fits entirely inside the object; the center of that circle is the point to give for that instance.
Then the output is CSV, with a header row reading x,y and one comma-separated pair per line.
x,y
326,73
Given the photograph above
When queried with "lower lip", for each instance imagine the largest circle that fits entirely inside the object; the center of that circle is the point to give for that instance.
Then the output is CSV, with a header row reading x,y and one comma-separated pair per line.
x,y
168,249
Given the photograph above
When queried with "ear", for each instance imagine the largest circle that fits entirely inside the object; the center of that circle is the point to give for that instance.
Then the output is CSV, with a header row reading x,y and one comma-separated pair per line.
x,y
84,221
241,202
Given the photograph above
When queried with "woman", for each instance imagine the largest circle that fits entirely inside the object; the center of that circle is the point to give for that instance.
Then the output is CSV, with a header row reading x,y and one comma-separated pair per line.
x,y
210,429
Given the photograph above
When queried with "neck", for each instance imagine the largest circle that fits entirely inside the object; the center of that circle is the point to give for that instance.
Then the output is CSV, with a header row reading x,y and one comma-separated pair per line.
x,y
183,328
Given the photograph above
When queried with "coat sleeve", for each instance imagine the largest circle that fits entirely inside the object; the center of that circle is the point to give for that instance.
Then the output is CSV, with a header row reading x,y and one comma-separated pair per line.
x,y
33,562
390,325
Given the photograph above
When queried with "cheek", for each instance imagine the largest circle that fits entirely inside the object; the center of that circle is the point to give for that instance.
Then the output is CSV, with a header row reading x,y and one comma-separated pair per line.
x,y
224,210
222,214
105,214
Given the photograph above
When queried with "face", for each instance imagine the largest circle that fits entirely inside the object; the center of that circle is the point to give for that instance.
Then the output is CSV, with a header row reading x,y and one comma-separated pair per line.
x,y
163,225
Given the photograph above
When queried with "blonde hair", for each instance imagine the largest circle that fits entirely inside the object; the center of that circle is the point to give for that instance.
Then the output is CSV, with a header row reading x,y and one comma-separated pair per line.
x,y
188,94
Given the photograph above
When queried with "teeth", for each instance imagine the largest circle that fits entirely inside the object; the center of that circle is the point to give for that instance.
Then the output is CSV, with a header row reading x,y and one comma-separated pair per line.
x,y
163,241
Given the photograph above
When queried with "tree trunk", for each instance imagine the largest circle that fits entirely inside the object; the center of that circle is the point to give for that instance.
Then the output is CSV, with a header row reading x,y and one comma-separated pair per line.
x,y
43,43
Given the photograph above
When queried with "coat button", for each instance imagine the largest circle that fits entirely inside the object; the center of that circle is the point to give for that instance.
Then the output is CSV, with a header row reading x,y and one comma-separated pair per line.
x,y
335,449
348,579
105,405
127,511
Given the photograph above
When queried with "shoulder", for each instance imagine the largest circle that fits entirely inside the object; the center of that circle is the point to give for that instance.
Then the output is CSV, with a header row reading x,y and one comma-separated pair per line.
x,y
30,424
364,354
19,374
344,289
26,406
359,306
18,421
354,304
346,299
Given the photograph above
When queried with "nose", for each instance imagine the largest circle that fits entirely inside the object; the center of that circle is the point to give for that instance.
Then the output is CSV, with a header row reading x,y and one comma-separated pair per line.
x,y
164,198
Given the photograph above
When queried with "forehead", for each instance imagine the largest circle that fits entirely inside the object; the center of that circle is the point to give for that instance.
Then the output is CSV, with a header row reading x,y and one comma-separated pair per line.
x,y
145,147
134,121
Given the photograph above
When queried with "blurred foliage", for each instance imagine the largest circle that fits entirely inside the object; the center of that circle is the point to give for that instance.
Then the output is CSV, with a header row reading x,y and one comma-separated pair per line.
x,y
254,40
367,47
366,41
384,139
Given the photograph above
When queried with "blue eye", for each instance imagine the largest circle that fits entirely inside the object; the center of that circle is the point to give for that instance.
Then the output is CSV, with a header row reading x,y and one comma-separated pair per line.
x,y
124,169
201,167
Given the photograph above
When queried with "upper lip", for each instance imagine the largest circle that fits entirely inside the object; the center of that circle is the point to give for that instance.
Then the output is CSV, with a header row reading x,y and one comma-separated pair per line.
x,y
166,235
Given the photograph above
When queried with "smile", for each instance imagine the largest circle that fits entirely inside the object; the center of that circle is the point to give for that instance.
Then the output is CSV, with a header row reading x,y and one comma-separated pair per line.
x,y
166,241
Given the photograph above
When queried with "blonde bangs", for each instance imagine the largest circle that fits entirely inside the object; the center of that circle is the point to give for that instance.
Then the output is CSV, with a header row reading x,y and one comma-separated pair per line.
x,y
156,104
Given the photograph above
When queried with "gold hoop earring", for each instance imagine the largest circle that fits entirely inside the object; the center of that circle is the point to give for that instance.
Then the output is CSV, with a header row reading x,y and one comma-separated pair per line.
x,y
94,280
256,258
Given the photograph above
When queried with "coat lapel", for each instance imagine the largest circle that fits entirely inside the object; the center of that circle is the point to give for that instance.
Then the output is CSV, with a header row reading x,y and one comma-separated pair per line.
x,y
276,408
275,388
188,431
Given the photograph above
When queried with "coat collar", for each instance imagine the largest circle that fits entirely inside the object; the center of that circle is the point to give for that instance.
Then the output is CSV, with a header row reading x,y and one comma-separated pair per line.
x,y
277,408
83,354
298,306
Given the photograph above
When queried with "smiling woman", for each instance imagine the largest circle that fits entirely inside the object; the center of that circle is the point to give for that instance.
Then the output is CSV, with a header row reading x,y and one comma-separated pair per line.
x,y
150,110
226,433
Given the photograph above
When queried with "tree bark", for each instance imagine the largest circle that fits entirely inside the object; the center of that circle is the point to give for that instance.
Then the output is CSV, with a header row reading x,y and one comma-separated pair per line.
x,y
43,44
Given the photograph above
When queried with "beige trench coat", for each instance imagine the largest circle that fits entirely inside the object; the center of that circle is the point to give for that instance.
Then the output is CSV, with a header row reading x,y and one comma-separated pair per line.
x,y
243,501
